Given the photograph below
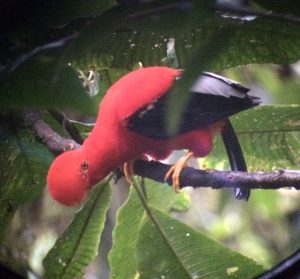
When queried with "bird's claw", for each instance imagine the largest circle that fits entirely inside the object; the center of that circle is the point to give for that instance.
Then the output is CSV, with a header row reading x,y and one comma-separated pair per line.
x,y
128,168
175,171
129,171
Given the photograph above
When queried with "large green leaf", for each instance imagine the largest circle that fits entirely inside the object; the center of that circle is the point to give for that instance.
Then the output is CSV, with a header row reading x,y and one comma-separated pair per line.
x,y
78,245
269,137
23,167
122,256
140,33
170,249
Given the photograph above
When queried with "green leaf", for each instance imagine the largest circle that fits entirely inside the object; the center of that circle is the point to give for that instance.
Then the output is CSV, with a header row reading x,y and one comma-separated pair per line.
x,y
207,56
269,137
141,32
169,249
43,82
24,165
122,256
78,245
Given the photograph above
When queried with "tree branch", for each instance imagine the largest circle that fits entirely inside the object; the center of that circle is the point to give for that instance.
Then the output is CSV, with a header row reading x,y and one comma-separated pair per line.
x,y
220,179
67,124
55,143
188,177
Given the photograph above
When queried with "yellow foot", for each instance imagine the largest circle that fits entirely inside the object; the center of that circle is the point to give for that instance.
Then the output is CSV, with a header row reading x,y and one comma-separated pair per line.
x,y
176,169
128,167
129,171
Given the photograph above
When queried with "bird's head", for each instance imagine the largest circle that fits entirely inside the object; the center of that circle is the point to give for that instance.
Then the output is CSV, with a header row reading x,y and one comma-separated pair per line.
x,y
68,177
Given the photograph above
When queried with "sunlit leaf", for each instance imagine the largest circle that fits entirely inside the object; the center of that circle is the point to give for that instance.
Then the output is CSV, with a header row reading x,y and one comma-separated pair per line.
x,y
170,249
122,256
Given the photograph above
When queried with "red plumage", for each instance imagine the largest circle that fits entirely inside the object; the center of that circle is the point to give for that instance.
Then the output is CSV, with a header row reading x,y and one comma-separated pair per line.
x,y
112,143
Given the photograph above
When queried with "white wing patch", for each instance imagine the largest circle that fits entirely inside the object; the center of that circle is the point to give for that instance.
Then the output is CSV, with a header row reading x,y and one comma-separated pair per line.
x,y
210,83
149,107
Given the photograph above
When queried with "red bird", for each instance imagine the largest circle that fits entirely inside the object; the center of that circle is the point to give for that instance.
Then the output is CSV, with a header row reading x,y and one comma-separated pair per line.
x,y
131,122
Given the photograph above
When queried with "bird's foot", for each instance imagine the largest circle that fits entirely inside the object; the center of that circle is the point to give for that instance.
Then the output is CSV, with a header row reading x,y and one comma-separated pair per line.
x,y
176,169
128,169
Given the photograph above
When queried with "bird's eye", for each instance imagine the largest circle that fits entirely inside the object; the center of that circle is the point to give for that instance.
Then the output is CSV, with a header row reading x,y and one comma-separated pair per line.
x,y
84,165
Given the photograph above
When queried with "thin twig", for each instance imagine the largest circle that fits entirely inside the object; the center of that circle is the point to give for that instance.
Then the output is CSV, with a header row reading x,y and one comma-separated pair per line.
x,y
10,68
182,6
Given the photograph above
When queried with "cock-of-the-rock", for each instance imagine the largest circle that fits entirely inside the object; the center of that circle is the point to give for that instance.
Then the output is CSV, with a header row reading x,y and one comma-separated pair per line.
x,y
132,122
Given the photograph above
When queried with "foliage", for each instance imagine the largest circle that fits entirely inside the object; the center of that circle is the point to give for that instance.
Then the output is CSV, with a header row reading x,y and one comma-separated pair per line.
x,y
19,151
114,39
77,247
181,247
278,138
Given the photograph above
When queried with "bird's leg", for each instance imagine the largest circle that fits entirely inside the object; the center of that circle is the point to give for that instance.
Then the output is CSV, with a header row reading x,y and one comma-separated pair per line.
x,y
128,167
176,169
129,170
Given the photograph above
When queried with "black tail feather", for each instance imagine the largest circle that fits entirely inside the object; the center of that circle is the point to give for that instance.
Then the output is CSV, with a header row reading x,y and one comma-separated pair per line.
x,y
236,157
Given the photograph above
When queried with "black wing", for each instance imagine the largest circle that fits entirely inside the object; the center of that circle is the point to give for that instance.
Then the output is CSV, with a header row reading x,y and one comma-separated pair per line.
x,y
213,97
